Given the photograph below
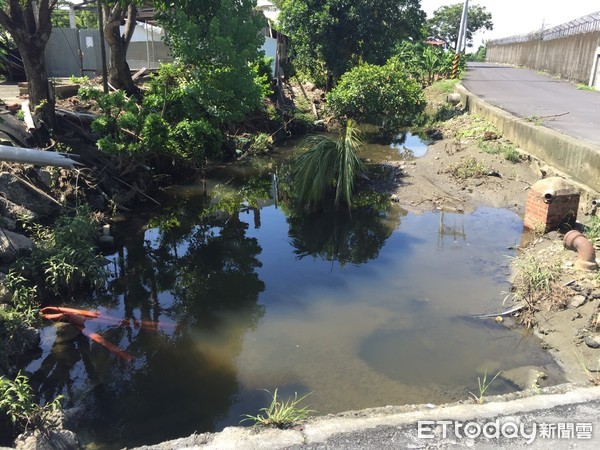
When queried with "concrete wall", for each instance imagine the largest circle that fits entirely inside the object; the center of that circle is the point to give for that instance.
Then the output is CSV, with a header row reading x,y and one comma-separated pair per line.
x,y
577,159
571,57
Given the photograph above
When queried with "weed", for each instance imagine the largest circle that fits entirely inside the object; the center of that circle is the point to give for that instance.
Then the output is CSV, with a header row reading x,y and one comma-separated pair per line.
x,y
483,384
261,143
535,274
24,302
467,168
535,281
280,414
539,229
445,86
85,80
477,128
592,374
536,120
18,404
585,87
63,260
490,147
592,229
20,114
511,153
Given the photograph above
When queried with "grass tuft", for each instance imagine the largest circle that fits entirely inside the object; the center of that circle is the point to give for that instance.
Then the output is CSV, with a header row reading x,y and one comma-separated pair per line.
x,y
536,281
280,413
467,168
483,385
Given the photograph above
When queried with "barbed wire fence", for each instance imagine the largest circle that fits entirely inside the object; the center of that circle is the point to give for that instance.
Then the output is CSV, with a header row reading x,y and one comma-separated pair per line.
x,y
585,24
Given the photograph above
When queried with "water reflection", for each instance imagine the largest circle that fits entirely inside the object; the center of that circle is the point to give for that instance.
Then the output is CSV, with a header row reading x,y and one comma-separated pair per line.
x,y
251,295
334,236
409,145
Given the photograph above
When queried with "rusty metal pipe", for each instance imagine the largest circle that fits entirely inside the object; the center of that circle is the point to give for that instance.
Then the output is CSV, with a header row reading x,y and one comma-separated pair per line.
x,y
576,241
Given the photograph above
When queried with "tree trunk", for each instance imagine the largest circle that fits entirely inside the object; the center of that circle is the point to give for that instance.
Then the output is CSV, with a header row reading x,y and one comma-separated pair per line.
x,y
119,74
29,24
40,97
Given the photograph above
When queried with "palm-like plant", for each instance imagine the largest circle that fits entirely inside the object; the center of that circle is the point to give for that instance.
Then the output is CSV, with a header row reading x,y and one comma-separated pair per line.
x,y
328,165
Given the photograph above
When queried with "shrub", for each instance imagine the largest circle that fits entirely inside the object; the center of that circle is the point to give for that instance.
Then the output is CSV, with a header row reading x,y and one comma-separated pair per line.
x,y
328,165
18,406
64,258
378,95
196,140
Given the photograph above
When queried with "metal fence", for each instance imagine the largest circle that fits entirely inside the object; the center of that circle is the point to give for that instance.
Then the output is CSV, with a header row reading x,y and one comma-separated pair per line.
x,y
585,24
77,52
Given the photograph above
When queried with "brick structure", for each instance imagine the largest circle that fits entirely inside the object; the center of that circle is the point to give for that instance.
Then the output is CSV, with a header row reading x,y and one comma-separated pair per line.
x,y
551,203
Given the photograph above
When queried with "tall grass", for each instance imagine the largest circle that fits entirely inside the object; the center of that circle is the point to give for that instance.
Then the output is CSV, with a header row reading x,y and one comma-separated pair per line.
x,y
328,166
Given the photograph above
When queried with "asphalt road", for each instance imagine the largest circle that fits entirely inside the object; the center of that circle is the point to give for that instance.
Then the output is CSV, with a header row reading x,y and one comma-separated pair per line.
x,y
526,93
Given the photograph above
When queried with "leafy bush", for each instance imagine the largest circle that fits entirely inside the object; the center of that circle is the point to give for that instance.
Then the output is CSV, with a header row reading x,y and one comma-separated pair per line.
x,y
18,406
195,140
377,94
63,260
169,122
426,63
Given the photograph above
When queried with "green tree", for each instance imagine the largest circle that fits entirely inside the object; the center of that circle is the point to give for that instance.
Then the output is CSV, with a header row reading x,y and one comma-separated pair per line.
x,y
342,34
384,95
445,23
84,18
219,40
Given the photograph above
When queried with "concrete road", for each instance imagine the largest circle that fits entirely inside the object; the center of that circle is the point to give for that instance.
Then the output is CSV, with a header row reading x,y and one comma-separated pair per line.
x,y
560,417
525,93
9,92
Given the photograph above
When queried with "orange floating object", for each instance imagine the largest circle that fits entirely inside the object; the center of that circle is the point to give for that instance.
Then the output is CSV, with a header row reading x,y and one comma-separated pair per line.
x,y
77,318
113,348
67,311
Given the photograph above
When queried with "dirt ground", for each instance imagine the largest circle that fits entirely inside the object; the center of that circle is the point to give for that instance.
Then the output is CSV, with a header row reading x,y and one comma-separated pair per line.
x,y
569,331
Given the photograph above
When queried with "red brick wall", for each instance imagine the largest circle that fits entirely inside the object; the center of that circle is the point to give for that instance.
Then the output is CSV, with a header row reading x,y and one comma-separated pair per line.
x,y
561,210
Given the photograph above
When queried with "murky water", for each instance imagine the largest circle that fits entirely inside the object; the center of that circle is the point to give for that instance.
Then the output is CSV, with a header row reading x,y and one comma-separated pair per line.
x,y
362,312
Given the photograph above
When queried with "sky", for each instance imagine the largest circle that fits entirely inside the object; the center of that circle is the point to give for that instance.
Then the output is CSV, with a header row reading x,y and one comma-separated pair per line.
x,y
511,17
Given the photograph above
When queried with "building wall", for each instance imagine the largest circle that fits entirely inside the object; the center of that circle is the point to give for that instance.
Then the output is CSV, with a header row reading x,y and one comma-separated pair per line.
x,y
570,57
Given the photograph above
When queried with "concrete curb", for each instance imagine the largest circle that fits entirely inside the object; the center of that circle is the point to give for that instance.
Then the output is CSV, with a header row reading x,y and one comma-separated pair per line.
x,y
320,429
578,159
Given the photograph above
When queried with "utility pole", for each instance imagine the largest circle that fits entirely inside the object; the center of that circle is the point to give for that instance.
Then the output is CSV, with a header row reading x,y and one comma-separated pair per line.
x,y
461,41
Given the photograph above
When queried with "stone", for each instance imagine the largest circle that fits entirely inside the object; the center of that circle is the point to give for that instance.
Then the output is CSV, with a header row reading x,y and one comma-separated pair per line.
x,y
12,212
592,341
26,195
13,245
48,440
577,301
394,198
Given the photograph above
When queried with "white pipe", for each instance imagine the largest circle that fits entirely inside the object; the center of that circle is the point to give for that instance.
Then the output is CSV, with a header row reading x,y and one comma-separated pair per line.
x,y
36,157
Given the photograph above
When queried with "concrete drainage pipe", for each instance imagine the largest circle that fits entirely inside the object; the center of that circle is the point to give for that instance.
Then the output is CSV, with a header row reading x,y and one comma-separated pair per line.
x,y
576,241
